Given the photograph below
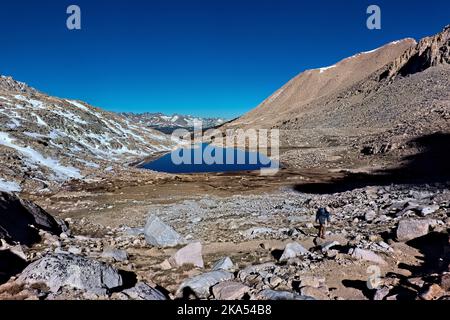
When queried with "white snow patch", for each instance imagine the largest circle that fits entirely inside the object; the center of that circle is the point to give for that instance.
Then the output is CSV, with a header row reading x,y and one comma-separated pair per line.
x,y
40,122
78,105
34,103
15,123
69,115
88,163
35,158
322,70
9,186
35,135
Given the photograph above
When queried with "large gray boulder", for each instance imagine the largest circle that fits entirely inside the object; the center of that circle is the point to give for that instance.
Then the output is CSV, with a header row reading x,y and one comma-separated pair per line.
x,y
159,234
190,254
20,220
411,229
142,291
59,270
202,283
293,250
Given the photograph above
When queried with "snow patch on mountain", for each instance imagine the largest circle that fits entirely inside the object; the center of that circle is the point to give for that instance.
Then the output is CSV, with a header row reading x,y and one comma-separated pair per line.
x,y
9,186
35,158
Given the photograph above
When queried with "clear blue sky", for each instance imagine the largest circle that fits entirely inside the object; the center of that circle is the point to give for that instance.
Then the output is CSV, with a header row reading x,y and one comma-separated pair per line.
x,y
207,58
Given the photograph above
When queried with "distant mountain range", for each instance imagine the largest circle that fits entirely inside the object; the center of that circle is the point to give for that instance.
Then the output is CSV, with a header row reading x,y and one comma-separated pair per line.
x,y
168,123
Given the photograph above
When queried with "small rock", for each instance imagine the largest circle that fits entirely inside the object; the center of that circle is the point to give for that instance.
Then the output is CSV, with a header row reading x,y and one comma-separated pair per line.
x,y
134,231
417,282
265,269
311,281
202,283
433,292
269,294
293,250
230,290
223,264
142,291
332,254
18,251
313,292
370,215
58,250
445,282
385,246
165,265
190,254
328,245
367,255
256,232
115,254
74,250
381,293
424,211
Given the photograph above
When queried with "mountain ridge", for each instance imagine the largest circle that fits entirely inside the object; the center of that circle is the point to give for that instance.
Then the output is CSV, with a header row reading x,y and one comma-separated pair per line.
x,y
45,141
326,116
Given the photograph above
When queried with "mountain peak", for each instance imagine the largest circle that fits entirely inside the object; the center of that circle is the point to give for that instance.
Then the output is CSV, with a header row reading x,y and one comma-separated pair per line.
x,y
9,84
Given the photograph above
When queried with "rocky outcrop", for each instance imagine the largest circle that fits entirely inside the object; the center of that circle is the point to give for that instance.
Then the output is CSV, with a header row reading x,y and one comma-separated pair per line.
x,y
429,52
9,84
21,220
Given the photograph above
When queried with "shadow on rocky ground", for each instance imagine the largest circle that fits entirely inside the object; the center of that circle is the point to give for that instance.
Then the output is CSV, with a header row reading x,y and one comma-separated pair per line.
x,y
359,285
10,265
430,165
435,259
435,249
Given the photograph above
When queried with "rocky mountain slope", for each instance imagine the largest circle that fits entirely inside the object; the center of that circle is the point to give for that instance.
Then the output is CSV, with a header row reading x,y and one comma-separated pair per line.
x,y
167,123
378,100
393,237
46,140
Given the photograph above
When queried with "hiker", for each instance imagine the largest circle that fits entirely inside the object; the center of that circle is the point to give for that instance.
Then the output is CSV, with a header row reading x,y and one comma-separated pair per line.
x,y
323,218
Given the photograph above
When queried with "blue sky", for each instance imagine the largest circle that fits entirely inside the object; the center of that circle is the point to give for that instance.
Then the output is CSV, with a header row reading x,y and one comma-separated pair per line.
x,y
206,58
